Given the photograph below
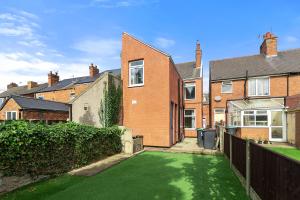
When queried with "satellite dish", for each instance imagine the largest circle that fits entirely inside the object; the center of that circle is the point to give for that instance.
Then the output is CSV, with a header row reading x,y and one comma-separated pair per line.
x,y
218,98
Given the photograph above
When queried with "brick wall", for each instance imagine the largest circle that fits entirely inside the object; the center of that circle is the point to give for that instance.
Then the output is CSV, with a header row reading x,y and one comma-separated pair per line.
x,y
63,95
147,108
205,113
254,133
45,115
11,105
195,104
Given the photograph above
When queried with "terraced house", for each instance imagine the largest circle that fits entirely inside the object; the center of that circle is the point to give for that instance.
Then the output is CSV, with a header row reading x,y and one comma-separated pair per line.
x,y
249,92
161,100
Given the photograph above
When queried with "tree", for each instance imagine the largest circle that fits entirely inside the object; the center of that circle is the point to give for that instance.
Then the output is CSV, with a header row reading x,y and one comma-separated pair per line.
x,y
110,104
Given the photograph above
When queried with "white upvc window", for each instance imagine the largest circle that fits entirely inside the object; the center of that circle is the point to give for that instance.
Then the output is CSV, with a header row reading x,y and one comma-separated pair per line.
x,y
226,87
190,91
259,86
11,115
189,119
40,96
255,118
136,73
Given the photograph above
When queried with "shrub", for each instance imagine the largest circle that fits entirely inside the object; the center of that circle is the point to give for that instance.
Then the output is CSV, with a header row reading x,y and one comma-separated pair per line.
x,y
39,149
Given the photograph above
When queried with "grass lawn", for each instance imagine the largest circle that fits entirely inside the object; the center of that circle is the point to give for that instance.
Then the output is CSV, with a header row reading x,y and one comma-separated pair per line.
x,y
289,152
150,175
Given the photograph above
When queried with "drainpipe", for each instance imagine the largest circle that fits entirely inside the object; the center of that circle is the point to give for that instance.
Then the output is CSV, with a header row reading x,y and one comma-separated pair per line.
x,y
245,85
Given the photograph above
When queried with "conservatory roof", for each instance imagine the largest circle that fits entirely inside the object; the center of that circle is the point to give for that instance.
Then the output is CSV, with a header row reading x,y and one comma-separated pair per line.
x,y
257,104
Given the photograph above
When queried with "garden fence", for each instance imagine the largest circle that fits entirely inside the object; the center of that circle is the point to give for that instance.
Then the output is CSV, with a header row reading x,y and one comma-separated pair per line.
x,y
265,174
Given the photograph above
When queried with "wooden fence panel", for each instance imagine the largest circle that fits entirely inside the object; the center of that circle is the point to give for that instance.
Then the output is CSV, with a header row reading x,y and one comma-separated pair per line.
x,y
239,154
227,145
273,176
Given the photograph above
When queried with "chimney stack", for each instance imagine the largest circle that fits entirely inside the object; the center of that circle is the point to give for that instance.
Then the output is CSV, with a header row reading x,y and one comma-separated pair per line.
x,y
269,45
31,84
93,70
198,55
12,85
52,79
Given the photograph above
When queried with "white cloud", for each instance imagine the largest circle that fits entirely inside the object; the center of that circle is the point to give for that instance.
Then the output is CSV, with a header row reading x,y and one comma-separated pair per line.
x,y
121,3
291,39
100,47
164,42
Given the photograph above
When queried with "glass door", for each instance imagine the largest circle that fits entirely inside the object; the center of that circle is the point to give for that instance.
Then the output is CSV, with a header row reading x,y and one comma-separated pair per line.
x,y
277,126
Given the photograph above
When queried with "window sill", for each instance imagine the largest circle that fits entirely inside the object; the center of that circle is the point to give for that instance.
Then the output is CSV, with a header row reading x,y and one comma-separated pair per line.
x,y
190,129
138,85
226,92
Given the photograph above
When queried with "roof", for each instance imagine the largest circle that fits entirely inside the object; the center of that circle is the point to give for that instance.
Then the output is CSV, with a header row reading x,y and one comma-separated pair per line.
x,y
91,86
22,90
257,65
188,70
28,103
68,83
257,104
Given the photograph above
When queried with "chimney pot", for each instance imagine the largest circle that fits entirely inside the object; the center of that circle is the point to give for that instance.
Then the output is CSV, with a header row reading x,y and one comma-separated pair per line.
x,y
198,55
53,78
269,45
12,85
93,70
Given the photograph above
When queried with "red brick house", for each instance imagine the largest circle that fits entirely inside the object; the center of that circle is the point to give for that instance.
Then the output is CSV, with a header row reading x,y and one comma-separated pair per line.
x,y
161,100
31,109
249,92
191,74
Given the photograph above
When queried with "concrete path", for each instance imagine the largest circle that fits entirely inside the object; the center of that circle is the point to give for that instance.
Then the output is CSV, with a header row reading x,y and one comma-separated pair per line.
x,y
101,165
188,145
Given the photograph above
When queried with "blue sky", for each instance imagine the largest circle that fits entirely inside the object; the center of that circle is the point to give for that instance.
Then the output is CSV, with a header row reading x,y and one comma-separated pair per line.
x,y
66,36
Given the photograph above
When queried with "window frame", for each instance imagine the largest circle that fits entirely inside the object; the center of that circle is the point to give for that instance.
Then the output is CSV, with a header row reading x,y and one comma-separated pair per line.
x,y
255,121
129,72
6,113
192,116
231,90
189,84
256,86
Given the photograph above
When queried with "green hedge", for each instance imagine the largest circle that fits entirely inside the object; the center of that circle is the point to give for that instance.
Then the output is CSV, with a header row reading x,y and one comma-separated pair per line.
x,y
39,149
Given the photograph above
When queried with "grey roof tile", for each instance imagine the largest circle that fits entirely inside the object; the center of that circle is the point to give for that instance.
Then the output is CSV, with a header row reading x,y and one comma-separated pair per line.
x,y
256,65
22,90
187,70
28,103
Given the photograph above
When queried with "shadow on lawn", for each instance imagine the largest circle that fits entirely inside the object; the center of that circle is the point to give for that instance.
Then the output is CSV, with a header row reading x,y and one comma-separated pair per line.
x,y
146,176
212,178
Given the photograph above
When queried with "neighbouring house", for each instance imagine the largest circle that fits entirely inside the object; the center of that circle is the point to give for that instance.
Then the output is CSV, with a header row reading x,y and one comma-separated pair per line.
x,y
66,90
152,93
249,92
205,111
86,106
28,90
31,109
191,74
293,119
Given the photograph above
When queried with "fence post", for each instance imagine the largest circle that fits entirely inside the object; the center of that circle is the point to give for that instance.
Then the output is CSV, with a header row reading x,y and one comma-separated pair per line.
x,y
230,147
221,135
248,159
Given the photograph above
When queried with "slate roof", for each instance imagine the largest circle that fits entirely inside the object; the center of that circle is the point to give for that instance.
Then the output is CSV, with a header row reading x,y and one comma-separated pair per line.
x,y
28,103
22,90
257,65
187,70
68,83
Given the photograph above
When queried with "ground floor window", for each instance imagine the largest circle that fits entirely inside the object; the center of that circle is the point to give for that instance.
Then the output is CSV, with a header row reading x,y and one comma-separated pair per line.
x,y
255,118
11,115
189,118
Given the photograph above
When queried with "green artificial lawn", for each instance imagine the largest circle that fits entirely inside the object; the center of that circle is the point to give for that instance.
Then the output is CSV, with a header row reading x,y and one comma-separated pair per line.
x,y
289,152
150,175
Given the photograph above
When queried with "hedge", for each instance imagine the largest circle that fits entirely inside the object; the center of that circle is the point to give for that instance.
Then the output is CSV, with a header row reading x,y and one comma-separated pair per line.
x,y
39,149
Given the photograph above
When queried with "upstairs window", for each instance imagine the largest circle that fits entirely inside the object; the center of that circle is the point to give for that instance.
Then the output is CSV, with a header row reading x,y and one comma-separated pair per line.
x,y
11,115
226,87
136,73
259,87
190,91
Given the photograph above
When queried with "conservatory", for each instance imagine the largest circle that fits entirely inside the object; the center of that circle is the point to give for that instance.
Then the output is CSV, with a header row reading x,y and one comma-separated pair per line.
x,y
263,119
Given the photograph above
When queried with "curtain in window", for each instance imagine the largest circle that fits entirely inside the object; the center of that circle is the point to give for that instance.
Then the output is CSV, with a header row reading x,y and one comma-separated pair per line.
x,y
252,87
262,86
